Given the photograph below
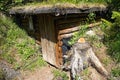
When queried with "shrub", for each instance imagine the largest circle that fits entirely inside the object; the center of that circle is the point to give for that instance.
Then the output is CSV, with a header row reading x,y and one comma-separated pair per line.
x,y
112,35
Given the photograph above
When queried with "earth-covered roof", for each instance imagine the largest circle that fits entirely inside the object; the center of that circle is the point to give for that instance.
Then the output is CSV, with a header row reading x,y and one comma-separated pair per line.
x,y
58,8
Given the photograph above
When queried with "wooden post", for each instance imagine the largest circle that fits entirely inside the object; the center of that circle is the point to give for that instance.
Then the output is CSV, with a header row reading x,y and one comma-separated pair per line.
x,y
48,40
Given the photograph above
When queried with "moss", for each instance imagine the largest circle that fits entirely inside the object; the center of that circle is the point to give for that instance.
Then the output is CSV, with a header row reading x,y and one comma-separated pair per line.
x,y
33,6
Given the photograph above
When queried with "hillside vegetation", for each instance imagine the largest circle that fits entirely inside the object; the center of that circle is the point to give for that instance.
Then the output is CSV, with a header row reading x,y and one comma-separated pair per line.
x,y
16,47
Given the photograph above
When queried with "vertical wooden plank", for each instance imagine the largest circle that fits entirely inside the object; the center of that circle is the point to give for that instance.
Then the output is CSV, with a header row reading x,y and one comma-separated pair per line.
x,y
48,40
59,59
59,56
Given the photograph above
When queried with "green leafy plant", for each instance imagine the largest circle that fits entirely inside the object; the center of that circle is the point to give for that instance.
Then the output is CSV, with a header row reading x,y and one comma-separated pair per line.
x,y
91,18
79,34
112,36
82,29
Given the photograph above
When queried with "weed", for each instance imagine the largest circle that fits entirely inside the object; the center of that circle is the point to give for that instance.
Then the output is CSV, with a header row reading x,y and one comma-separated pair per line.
x,y
82,29
59,74
86,72
79,34
105,61
91,18
116,72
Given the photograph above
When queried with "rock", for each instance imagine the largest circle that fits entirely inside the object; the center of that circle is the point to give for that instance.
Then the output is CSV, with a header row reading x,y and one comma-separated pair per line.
x,y
8,72
90,33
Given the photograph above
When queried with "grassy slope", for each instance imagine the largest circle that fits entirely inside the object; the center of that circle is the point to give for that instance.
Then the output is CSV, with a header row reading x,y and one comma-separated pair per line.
x,y
16,47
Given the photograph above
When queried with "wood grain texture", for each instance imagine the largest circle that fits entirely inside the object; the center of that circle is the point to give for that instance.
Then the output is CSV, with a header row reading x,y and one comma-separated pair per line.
x,y
48,40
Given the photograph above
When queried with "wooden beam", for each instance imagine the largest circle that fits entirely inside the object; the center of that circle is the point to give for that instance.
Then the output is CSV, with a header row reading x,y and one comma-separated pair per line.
x,y
74,29
65,36
68,25
55,9
94,24
65,31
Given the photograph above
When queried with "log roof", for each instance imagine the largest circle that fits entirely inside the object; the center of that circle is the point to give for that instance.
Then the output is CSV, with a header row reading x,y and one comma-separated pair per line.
x,y
57,9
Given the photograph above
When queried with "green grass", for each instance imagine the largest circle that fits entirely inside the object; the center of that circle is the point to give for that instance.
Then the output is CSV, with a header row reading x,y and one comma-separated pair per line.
x,y
64,4
17,47
116,72
59,75
75,1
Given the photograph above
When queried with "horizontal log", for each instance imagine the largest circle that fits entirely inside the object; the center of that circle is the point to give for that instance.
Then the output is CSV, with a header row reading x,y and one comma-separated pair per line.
x,y
73,29
94,24
65,36
69,30
68,25
55,9
74,19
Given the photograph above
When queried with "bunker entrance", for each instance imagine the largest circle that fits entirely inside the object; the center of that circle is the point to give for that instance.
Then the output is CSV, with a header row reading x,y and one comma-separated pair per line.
x,y
65,49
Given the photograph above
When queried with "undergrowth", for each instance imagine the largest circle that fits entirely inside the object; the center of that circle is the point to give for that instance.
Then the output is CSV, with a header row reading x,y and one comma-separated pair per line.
x,y
112,40
112,36
17,48
116,72
59,75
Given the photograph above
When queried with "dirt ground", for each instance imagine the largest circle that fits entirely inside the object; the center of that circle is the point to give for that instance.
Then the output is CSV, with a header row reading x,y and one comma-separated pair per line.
x,y
44,73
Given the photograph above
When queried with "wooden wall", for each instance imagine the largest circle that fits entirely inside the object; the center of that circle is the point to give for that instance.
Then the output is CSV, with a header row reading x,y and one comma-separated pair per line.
x,y
48,39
